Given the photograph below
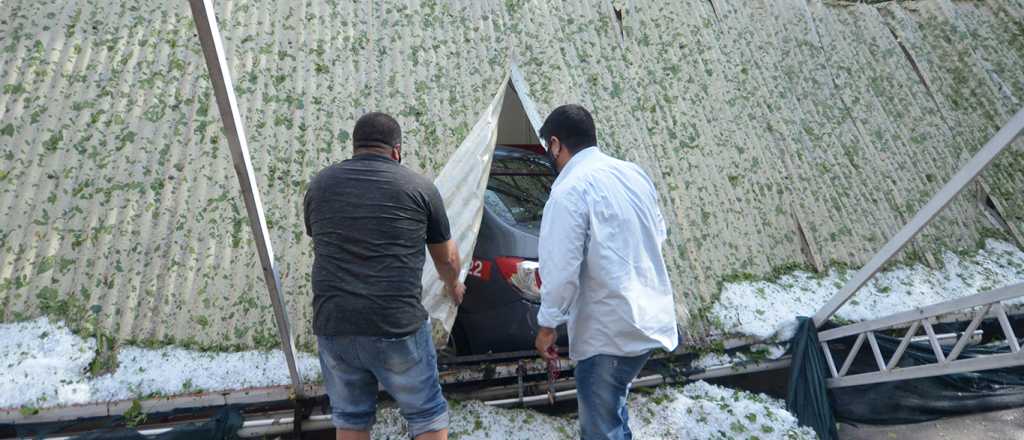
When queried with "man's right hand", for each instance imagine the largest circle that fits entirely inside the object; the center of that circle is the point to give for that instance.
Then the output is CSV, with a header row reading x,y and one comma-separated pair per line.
x,y
457,292
545,343
447,262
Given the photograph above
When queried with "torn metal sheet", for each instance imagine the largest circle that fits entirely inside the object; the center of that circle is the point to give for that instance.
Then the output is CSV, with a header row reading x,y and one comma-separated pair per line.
x,y
462,183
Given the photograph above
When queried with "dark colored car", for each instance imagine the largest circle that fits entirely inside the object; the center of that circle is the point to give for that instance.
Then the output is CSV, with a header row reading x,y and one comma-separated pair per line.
x,y
499,312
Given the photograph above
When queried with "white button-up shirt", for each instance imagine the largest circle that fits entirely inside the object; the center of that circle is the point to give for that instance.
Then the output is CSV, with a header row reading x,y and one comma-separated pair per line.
x,y
601,265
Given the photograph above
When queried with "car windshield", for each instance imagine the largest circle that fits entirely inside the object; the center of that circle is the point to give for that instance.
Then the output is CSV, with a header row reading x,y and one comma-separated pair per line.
x,y
518,189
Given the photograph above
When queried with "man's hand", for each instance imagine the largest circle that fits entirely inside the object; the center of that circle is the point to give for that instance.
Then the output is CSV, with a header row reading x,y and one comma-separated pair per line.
x,y
447,262
545,343
457,292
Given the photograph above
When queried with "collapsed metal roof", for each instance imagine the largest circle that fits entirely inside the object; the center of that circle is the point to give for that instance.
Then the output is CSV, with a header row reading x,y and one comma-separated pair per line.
x,y
779,132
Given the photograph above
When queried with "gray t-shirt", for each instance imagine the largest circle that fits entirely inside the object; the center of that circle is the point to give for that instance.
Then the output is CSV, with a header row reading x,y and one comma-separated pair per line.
x,y
370,218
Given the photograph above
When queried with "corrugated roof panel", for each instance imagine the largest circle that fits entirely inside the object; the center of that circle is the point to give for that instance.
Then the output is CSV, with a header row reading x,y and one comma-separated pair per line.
x,y
753,117
890,107
978,93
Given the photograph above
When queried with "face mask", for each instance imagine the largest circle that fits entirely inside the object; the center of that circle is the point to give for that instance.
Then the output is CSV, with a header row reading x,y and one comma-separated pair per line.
x,y
551,158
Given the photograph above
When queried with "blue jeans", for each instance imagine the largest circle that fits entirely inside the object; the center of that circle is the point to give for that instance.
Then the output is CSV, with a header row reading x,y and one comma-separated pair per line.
x,y
406,367
602,383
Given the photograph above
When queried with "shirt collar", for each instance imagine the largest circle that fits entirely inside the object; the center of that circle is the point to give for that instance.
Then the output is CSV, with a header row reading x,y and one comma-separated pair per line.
x,y
371,156
576,159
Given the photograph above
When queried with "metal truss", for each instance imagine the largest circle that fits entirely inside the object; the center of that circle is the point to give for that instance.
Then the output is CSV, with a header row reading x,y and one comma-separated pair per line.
x,y
982,306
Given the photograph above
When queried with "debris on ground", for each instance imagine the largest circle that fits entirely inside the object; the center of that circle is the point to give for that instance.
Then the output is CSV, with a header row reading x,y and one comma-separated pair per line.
x,y
756,353
765,310
44,365
698,411
474,420
703,411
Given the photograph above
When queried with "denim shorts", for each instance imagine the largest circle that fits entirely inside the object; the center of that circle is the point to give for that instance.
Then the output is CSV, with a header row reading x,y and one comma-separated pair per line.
x,y
405,367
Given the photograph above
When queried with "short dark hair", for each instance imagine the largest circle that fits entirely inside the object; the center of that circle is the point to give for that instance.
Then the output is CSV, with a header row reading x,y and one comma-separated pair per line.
x,y
572,125
376,130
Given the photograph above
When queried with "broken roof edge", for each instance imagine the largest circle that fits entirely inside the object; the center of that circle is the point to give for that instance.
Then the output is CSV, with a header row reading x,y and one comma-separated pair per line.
x,y
522,89
462,182
761,308
454,182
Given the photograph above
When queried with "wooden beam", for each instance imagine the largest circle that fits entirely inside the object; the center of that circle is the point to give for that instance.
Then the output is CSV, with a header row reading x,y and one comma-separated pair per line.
x,y
216,63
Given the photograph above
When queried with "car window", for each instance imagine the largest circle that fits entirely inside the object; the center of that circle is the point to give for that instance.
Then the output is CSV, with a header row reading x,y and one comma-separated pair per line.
x,y
521,187
496,206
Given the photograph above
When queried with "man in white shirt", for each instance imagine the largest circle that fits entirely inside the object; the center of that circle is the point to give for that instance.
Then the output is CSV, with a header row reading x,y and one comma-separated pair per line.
x,y
602,270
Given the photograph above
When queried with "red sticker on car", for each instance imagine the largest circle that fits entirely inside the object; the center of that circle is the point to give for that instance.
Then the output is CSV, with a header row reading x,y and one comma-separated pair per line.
x,y
480,269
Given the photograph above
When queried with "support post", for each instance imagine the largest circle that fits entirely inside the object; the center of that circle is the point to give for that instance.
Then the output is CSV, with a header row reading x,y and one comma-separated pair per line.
x,y
956,184
213,51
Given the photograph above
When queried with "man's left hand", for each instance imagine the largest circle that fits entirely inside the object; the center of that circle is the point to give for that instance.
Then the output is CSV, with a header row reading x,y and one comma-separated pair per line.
x,y
545,343
457,292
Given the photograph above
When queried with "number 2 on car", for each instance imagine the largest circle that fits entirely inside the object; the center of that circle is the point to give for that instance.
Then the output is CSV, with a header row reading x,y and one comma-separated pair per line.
x,y
480,269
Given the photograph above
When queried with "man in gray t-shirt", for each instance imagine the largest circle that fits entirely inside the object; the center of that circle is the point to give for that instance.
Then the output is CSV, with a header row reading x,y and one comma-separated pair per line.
x,y
370,218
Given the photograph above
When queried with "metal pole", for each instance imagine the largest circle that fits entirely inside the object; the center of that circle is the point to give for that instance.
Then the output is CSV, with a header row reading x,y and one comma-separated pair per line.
x,y
960,180
213,51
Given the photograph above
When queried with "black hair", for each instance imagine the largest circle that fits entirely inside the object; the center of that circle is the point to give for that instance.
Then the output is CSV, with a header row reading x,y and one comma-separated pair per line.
x,y
572,125
376,130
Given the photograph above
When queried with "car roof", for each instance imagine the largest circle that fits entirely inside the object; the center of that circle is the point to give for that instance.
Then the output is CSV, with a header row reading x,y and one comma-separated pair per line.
x,y
508,152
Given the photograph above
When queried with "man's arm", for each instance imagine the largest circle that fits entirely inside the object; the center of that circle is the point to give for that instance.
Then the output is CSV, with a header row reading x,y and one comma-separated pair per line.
x,y
448,264
443,250
563,237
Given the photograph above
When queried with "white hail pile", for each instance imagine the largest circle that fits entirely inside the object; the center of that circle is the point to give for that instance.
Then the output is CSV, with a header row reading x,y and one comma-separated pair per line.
x,y
756,352
698,411
766,310
44,364
704,411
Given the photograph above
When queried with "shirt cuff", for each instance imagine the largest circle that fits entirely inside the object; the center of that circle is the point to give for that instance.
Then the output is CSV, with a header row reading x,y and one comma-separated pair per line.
x,y
550,317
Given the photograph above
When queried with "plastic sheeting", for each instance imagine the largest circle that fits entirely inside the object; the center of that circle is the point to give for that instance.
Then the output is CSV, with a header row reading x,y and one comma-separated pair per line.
x,y
462,183
930,398
222,426
807,397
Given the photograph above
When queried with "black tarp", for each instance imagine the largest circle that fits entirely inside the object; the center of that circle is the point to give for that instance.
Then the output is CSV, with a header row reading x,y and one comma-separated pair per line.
x,y
807,397
920,400
222,426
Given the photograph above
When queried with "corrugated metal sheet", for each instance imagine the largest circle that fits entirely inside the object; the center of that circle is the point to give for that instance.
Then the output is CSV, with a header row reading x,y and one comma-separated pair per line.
x,y
757,119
